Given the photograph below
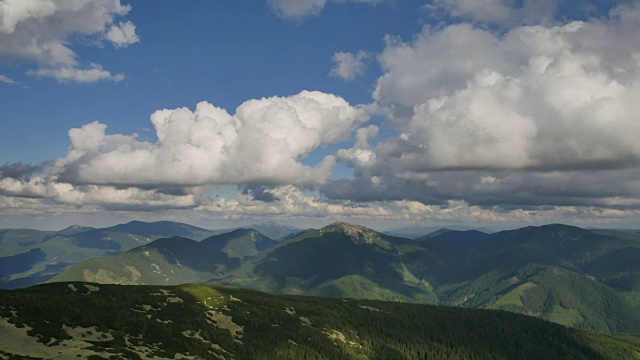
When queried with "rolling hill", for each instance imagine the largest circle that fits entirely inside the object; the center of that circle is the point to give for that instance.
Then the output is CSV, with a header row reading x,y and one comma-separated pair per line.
x,y
173,260
29,257
94,321
565,274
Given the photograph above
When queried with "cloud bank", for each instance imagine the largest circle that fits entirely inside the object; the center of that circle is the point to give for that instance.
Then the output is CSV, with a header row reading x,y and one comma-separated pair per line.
x,y
539,115
263,143
43,32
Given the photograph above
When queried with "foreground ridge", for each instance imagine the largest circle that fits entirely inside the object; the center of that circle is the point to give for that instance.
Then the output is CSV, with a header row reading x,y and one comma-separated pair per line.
x,y
96,321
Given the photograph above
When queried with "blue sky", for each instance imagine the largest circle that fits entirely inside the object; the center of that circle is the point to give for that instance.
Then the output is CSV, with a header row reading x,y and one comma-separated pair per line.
x,y
195,51
385,113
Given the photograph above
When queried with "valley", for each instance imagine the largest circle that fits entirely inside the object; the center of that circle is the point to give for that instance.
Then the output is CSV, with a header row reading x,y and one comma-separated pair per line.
x,y
555,272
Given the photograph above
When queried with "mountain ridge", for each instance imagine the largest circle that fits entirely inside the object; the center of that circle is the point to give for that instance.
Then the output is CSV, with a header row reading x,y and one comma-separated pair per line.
x,y
78,243
451,268
93,321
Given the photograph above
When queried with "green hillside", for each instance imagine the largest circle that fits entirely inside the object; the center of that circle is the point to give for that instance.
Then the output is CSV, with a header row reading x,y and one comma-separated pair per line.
x,y
32,257
173,261
95,321
552,293
580,278
29,257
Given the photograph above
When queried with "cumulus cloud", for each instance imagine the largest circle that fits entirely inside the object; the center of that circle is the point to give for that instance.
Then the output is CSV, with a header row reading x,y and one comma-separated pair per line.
x,y
298,9
258,149
348,66
536,115
43,32
539,97
122,34
362,154
262,143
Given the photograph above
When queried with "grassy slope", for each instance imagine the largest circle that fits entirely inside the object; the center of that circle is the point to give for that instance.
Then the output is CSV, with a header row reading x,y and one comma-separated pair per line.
x,y
479,274
172,261
331,263
213,321
75,244
60,250
552,293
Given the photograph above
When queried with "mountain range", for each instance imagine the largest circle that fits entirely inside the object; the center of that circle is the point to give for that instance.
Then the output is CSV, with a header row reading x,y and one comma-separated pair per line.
x,y
587,279
29,257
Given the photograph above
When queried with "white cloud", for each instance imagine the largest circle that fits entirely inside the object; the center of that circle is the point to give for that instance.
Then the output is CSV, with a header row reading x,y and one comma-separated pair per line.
x,y
263,142
7,80
348,66
43,32
92,195
296,203
40,197
361,154
535,97
298,9
122,34
531,117
69,74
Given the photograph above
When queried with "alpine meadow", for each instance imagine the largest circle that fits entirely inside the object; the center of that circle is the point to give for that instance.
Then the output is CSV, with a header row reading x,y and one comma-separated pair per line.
x,y
320,179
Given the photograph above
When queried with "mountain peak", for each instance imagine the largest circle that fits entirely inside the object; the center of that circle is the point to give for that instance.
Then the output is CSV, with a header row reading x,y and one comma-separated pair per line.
x,y
564,232
357,233
438,232
252,233
273,230
74,229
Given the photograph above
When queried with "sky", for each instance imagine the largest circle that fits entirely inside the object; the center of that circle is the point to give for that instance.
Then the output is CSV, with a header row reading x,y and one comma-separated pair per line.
x,y
386,113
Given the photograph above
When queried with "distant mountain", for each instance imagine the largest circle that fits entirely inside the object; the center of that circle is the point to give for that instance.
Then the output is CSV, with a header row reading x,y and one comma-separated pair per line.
x,y
57,250
457,236
338,260
274,230
160,229
581,278
270,229
92,321
240,243
75,229
172,261
414,232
